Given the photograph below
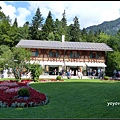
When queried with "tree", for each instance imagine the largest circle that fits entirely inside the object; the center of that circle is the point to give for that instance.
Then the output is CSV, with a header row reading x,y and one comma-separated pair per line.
x,y
36,71
90,37
48,26
83,34
15,34
75,34
113,61
114,42
102,38
19,59
37,24
4,31
25,31
15,58
15,24
58,31
64,23
9,34
5,54
51,36
2,15
113,58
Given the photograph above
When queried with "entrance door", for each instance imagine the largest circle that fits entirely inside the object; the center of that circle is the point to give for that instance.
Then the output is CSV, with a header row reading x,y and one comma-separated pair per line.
x,y
74,69
52,70
90,69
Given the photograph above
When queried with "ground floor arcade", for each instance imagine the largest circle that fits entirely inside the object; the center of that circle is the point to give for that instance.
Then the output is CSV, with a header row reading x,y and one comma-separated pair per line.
x,y
57,68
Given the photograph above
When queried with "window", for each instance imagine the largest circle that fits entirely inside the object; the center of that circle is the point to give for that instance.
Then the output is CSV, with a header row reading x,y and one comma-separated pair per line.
x,y
33,53
54,54
98,55
93,55
74,54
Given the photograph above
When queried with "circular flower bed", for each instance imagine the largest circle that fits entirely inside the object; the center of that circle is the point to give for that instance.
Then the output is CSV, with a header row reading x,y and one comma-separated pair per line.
x,y
9,95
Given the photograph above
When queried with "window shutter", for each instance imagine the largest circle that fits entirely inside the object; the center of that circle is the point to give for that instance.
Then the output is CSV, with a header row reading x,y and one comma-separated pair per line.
x,y
50,53
78,54
90,54
98,55
57,54
36,53
70,54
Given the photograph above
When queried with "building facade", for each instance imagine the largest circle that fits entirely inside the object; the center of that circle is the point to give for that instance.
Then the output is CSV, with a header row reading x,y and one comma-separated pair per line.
x,y
58,56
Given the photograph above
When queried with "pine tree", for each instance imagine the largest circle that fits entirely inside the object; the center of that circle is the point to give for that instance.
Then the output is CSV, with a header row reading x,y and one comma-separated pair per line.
x,y
15,24
57,30
25,30
36,25
48,26
83,34
2,15
64,23
90,37
75,34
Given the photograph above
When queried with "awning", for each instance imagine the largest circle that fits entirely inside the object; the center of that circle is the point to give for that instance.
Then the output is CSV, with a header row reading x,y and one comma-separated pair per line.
x,y
52,63
95,64
48,63
75,64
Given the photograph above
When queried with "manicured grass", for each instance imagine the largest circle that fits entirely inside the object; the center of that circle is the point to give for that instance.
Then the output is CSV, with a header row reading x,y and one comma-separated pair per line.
x,y
72,99
1,79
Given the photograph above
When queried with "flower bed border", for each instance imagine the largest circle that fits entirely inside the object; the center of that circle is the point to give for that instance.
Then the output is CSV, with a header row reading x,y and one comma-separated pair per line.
x,y
51,80
21,102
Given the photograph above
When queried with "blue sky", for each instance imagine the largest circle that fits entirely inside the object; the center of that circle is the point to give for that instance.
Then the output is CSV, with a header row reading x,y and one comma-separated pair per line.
x,y
88,12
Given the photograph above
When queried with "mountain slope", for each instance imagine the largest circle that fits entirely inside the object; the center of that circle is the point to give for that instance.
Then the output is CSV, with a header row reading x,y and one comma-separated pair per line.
x,y
109,27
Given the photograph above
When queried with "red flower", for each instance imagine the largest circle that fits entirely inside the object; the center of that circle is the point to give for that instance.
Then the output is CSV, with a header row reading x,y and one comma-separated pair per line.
x,y
9,89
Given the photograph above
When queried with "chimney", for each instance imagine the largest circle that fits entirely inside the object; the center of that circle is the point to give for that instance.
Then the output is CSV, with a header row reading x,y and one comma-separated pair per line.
x,y
63,38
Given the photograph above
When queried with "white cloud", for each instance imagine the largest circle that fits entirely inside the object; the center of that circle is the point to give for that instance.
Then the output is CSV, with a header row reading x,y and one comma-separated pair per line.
x,y
23,13
8,9
88,12
12,12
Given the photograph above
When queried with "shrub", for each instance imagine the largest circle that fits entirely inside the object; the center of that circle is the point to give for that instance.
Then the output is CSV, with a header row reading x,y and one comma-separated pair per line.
x,y
36,71
106,78
58,78
23,92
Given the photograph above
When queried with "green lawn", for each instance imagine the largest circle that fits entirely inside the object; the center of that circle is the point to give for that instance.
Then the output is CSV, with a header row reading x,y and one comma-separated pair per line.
x,y
72,99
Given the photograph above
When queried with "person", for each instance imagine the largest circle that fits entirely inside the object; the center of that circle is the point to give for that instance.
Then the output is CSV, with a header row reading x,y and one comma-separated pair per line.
x,y
101,74
88,71
73,73
63,73
76,72
68,75
94,73
55,71
99,71
115,73
60,73
80,74
119,73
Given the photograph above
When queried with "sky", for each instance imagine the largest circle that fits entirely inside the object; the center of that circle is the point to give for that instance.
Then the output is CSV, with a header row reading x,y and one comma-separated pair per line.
x,y
89,13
